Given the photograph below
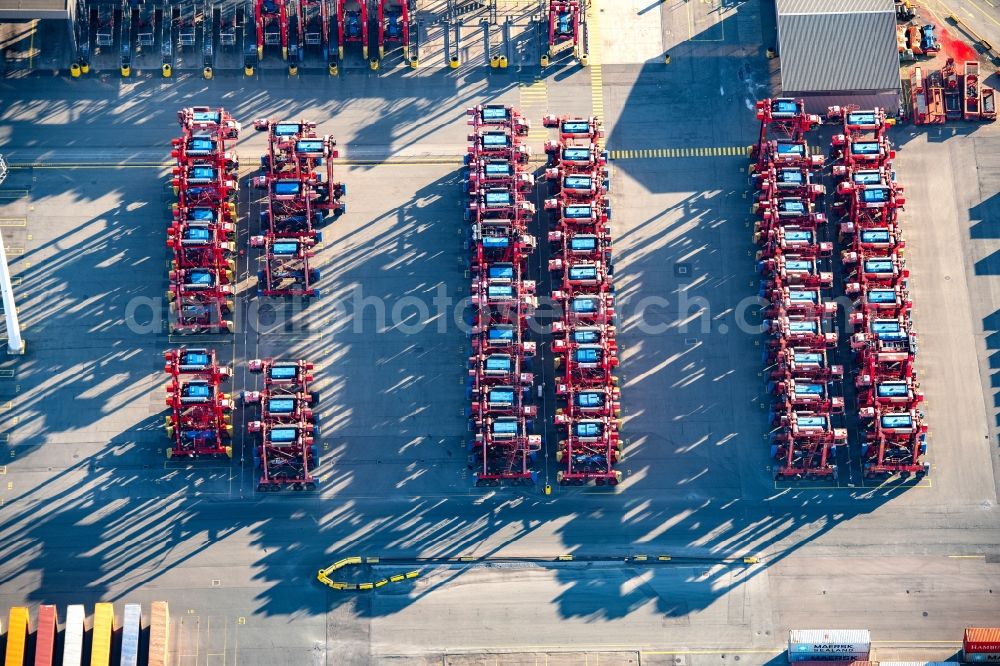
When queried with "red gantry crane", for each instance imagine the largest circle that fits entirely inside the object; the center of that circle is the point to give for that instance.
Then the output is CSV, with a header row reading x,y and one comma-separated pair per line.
x,y
567,30
271,19
394,26
352,26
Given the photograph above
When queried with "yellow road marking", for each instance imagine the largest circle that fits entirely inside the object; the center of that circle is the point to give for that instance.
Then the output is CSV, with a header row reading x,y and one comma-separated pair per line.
x,y
669,153
596,60
13,222
984,12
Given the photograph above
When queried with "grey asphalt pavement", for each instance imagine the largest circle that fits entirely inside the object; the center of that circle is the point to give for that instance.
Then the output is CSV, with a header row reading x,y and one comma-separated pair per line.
x,y
92,512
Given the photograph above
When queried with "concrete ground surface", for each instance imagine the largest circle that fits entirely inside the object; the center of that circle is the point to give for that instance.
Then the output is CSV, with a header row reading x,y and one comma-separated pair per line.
x,y
92,512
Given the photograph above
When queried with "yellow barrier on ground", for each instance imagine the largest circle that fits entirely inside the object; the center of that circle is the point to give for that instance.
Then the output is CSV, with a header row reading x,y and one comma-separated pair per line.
x,y
323,575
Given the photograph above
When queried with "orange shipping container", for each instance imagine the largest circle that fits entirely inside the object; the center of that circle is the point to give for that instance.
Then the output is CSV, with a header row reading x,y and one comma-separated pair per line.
x,y
18,627
45,636
159,633
982,639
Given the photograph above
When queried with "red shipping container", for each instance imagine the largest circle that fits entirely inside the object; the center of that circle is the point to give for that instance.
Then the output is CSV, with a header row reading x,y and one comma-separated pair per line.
x,y
982,639
45,639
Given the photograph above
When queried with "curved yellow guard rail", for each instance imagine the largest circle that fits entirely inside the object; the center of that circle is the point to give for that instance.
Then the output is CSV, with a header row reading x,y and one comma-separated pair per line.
x,y
323,575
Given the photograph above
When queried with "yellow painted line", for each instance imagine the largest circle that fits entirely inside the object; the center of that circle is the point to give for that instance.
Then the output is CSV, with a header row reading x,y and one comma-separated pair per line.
x,y
15,250
389,161
13,222
671,153
967,557
90,165
984,12
6,373
596,58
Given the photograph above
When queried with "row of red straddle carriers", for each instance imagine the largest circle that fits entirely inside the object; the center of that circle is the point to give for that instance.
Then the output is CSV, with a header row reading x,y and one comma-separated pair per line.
x,y
795,259
503,298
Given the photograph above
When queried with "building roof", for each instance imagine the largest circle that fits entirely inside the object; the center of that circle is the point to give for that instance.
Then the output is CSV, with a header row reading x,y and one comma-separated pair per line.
x,y
833,6
34,9
837,45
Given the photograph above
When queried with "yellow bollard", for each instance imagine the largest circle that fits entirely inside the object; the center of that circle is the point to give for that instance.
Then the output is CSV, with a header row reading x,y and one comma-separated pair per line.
x,y
167,70
84,67
248,70
373,64
666,58
770,54
545,60
454,62
207,73
414,63
74,70
293,69
333,69
126,71
584,60
494,62
503,62
548,489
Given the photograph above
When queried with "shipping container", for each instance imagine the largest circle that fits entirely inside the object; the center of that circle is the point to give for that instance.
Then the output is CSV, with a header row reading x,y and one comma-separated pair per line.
x,y
104,627
45,636
76,617
919,663
131,625
829,645
18,628
159,633
982,657
981,640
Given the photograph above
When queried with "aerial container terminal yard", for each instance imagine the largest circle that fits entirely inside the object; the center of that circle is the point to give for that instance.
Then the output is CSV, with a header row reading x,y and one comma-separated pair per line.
x,y
511,332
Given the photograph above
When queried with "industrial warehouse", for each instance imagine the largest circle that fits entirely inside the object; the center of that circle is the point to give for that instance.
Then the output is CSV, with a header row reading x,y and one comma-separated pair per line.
x,y
517,332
